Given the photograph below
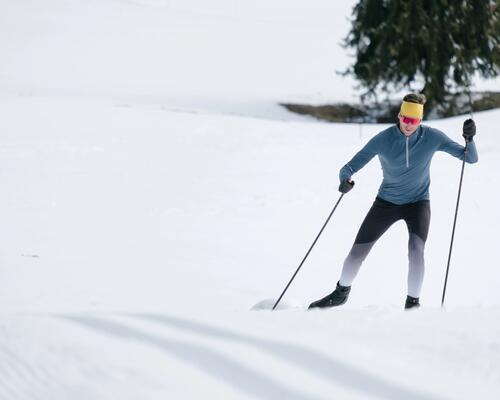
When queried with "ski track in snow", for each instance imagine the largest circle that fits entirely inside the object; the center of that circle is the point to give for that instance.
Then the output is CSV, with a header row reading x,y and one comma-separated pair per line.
x,y
215,351
206,356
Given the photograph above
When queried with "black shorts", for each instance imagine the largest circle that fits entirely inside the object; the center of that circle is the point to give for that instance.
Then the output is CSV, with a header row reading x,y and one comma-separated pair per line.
x,y
383,214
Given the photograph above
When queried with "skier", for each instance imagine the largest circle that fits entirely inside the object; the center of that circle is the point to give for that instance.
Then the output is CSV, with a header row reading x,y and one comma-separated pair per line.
x,y
405,151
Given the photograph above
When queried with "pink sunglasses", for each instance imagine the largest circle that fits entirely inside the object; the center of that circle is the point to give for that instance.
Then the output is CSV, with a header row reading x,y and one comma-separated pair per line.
x,y
409,120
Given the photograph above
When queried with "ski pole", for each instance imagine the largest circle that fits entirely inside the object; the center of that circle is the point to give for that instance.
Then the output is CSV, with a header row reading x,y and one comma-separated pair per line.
x,y
308,251
454,223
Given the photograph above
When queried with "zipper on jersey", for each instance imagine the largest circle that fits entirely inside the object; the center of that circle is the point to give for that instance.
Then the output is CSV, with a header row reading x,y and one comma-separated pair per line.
x,y
407,154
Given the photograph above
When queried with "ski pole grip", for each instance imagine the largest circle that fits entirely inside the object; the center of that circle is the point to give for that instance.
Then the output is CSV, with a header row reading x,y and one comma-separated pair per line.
x,y
345,186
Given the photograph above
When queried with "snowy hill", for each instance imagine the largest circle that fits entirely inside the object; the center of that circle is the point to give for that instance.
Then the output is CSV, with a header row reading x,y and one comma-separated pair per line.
x,y
153,192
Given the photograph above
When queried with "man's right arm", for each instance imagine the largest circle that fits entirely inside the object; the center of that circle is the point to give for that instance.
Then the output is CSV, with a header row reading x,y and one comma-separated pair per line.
x,y
361,158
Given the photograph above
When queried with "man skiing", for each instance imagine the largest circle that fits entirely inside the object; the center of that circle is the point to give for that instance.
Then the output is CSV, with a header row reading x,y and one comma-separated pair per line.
x,y
405,151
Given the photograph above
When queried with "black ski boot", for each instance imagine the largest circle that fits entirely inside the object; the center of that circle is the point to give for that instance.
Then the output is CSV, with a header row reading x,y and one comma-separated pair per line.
x,y
411,302
336,298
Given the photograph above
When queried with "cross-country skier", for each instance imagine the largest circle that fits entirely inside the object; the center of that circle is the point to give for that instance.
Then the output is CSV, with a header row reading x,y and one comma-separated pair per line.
x,y
405,151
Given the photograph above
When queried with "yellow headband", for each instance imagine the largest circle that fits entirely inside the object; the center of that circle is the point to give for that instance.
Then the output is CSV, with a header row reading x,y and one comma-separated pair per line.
x,y
412,110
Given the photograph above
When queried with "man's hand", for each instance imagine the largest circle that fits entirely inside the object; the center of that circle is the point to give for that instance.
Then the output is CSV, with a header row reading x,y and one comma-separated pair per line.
x,y
469,130
345,186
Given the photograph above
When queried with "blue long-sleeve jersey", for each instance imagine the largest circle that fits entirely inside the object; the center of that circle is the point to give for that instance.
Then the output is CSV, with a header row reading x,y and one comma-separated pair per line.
x,y
406,161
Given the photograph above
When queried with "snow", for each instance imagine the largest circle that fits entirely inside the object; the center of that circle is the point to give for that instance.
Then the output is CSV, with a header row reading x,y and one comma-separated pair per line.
x,y
154,193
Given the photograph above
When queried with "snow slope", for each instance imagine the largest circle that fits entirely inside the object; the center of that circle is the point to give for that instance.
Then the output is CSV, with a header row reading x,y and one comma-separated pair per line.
x,y
153,193
225,56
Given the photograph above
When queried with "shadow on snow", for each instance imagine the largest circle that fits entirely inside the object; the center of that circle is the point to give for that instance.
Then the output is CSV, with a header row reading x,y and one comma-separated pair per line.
x,y
240,376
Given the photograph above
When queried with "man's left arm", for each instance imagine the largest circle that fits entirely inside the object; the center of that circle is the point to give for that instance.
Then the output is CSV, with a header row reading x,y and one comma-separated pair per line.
x,y
456,150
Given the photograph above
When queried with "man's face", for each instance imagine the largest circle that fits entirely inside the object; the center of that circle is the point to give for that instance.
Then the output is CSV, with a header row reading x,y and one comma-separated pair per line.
x,y
408,125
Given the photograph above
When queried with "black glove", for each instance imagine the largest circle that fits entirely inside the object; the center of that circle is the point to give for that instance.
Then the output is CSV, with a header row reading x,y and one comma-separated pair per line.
x,y
345,186
469,130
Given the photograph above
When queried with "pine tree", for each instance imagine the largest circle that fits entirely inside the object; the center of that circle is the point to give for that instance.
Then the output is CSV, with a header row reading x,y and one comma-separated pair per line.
x,y
431,46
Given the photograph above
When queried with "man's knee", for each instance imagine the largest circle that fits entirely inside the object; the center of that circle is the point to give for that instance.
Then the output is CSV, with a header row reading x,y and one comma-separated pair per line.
x,y
416,247
359,252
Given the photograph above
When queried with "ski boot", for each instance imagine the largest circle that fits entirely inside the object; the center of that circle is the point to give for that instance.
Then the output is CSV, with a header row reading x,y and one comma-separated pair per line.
x,y
411,302
336,298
